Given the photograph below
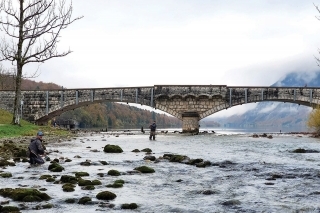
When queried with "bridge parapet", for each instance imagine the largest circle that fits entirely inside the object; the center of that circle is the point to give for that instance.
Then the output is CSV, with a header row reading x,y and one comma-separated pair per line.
x,y
190,90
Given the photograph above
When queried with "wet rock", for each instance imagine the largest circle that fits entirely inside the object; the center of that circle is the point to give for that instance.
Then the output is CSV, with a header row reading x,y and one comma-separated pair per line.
x,y
68,187
100,174
42,177
299,150
47,206
56,160
107,205
144,169
149,157
85,163
179,180
117,184
112,149
6,175
146,150
275,176
4,202
113,172
24,194
231,202
103,162
50,179
68,179
81,174
269,183
96,182
135,150
67,160
129,206
55,167
77,156
208,192
6,163
84,200
106,195
9,209
195,161
83,182
70,200
88,187
270,178
178,158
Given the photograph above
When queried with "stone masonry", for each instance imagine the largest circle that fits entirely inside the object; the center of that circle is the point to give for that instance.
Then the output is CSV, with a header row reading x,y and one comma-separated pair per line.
x,y
189,103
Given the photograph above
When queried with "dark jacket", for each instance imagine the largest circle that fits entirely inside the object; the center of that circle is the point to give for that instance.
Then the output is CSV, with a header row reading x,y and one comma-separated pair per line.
x,y
153,127
35,147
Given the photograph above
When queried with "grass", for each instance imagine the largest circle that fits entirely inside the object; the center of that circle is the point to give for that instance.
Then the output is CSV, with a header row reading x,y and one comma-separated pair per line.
x,y
7,130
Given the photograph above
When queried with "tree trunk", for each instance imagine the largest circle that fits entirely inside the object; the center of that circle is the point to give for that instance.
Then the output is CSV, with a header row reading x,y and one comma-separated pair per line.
x,y
20,63
17,98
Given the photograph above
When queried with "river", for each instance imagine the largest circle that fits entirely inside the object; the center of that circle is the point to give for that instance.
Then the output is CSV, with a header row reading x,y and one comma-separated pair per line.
x,y
247,174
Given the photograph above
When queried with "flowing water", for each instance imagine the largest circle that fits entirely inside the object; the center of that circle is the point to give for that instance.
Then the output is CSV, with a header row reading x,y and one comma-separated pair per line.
x,y
248,174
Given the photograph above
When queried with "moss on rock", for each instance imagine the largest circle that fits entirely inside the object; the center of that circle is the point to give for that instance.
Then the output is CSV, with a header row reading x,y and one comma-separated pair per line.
x,y
83,200
144,169
24,194
70,200
83,182
81,174
103,162
6,163
146,150
106,195
55,167
6,175
68,187
9,209
112,149
68,179
129,206
42,177
113,172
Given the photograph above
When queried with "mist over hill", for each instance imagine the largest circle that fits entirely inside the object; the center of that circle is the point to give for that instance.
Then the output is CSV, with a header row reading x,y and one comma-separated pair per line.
x,y
273,115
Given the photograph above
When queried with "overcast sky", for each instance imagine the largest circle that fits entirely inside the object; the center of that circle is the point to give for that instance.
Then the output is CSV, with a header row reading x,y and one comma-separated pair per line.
x,y
148,42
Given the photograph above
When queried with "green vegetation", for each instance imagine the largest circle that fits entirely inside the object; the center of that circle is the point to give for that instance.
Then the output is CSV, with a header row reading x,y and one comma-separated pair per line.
x,y
26,129
115,115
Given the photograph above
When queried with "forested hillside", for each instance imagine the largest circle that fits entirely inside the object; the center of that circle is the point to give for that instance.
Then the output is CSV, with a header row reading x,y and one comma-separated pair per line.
x,y
115,115
104,115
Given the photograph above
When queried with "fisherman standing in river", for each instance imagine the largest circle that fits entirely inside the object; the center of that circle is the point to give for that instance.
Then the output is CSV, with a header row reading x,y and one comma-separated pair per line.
x,y
36,149
153,127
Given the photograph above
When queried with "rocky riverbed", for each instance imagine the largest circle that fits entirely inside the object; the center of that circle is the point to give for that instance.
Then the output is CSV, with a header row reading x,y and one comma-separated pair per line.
x,y
175,173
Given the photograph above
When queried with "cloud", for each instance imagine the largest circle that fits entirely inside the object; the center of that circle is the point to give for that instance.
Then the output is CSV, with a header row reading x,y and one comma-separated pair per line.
x,y
184,42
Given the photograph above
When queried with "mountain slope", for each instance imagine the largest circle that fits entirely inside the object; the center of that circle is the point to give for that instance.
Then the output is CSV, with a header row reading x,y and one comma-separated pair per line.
x,y
276,115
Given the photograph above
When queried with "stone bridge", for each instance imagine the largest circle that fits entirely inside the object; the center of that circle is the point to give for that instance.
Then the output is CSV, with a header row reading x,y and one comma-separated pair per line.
x,y
189,103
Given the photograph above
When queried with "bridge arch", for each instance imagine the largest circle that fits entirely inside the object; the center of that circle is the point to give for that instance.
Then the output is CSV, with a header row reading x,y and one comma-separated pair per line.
x,y
189,103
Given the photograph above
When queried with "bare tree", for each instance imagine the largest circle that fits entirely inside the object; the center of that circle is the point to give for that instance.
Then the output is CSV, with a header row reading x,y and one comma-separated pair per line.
x,y
33,27
318,17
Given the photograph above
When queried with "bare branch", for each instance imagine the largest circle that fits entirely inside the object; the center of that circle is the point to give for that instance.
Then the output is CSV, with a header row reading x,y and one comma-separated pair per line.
x,y
34,27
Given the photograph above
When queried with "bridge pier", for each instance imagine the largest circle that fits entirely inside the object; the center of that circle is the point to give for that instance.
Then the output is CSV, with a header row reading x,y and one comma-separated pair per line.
x,y
190,122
